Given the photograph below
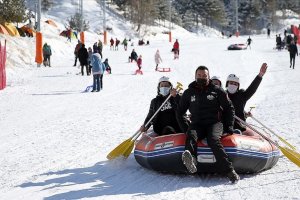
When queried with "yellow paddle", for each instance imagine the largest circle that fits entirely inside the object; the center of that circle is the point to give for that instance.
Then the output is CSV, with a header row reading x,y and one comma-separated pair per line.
x,y
121,148
126,147
291,154
280,138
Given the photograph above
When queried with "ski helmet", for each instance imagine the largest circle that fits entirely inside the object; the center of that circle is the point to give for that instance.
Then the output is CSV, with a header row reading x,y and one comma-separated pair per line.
x,y
163,79
217,78
233,78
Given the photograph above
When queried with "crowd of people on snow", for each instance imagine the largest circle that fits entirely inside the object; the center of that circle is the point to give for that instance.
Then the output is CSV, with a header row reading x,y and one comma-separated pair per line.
x,y
212,108
91,61
288,42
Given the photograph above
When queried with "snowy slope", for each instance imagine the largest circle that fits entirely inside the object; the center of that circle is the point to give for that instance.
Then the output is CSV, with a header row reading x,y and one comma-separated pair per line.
x,y
55,138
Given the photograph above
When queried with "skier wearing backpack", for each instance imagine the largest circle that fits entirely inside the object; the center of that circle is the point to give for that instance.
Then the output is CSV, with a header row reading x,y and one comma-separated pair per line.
x,y
47,54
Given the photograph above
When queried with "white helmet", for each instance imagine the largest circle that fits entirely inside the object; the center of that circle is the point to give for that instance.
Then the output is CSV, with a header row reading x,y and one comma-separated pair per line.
x,y
233,77
217,78
164,79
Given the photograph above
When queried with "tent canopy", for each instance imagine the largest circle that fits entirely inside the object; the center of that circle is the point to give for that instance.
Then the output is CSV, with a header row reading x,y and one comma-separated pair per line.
x,y
11,29
29,31
73,34
3,30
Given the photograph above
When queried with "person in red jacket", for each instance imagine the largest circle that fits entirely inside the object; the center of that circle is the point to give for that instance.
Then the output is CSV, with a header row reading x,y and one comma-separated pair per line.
x,y
139,62
176,49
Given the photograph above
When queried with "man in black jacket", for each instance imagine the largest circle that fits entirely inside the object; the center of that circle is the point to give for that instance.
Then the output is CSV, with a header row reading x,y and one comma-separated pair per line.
x,y
204,101
165,121
239,97
83,56
293,52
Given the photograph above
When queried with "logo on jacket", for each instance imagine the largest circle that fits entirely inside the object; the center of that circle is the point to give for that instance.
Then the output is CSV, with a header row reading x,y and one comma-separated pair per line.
x,y
167,106
210,97
193,98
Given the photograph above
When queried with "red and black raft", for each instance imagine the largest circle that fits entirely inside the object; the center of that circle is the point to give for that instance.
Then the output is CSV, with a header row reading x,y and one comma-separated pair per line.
x,y
249,154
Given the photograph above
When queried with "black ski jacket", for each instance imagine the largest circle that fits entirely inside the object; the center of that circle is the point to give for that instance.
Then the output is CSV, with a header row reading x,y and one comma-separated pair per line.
x,y
166,116
205,105
239,100
293,49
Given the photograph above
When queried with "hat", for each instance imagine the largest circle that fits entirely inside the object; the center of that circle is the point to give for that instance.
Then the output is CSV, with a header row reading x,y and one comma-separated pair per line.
x,y
216,78
164,79
233,77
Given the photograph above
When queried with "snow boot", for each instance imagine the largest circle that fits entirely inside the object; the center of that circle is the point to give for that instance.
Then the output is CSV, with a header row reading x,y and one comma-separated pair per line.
x,y
189,161
233,176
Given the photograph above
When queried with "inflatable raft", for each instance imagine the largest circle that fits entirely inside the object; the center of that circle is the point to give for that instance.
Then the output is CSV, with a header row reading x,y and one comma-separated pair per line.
x,y
249,154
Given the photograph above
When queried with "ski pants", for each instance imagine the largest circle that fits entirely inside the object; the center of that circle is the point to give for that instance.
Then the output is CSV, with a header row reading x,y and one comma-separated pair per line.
x,y
292,60
213,135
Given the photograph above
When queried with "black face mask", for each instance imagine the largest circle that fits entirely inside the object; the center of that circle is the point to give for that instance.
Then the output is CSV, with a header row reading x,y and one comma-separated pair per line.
x,y
201,81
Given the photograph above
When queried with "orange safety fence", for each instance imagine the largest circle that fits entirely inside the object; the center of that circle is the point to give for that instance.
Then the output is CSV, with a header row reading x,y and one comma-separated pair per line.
x,y
39,48
170,36
105,38
82,37
2,66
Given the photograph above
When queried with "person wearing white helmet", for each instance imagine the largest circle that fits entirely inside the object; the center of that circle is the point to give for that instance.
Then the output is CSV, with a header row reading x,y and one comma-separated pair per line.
x,y
165,121
239,97
216,81
232,83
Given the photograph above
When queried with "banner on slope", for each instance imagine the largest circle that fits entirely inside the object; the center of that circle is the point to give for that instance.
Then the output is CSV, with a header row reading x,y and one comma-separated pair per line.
x,y
2,65
296,32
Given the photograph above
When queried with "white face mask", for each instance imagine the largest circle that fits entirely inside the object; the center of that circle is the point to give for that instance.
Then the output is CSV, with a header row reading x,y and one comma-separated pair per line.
x,y
164,91
232,88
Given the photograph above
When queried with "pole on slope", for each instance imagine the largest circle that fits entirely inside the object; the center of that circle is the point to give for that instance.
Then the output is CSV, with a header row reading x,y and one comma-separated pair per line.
x,y
39,38
237,18
170,33
104,23
81,21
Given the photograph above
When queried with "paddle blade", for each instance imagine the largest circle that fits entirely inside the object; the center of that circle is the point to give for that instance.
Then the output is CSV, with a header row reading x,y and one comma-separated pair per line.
x,y
127,151
119,150
285,142
291,155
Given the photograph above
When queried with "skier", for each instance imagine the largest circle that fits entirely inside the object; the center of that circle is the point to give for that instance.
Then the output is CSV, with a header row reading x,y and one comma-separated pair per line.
x,y
112,44
117,44
249,41
133,56
293,52
98,69
78,46
176,49
139,62
83,59
125,43
47,54
107,66
157,59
